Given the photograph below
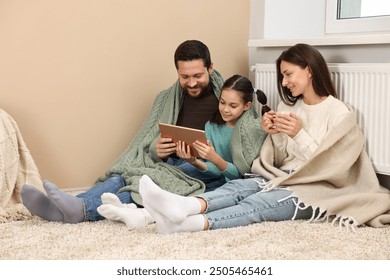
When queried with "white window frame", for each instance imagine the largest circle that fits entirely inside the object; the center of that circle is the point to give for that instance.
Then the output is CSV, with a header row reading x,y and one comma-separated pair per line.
x,y
353,25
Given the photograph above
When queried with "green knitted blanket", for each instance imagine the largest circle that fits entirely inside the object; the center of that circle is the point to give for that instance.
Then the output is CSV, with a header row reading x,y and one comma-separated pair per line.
x,y
140,156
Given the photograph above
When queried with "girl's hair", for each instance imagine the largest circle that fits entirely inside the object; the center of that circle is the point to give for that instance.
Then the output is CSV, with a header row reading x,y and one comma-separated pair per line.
x,y
191,50
304,56
241,84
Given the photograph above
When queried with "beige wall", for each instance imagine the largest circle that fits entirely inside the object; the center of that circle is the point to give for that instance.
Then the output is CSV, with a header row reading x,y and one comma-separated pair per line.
x,y
79,76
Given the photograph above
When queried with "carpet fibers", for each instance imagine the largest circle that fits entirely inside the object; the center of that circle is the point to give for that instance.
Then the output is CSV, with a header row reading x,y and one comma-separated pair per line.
x,y
31,238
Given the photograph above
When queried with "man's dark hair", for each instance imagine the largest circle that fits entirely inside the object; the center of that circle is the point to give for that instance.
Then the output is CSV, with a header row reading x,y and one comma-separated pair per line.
x,y
192,49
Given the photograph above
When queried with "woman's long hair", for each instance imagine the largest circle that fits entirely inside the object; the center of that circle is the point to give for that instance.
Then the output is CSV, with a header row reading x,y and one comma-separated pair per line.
x,y
304,56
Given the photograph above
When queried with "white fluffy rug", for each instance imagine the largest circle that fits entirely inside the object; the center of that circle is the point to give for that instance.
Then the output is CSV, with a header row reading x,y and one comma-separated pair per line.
x,y
29,238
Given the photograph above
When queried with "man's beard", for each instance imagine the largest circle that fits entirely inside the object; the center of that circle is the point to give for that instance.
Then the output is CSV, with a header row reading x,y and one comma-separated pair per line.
x,y
202,93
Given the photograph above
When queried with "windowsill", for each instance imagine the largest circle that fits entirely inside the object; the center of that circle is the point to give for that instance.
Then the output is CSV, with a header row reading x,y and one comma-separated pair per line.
x,y
368,39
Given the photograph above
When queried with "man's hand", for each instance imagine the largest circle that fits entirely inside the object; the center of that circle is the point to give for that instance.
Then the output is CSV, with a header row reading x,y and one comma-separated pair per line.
x,y
165,147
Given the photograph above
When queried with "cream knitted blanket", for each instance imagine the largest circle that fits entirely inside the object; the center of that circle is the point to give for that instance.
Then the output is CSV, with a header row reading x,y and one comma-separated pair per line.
x,y
339,179
17,167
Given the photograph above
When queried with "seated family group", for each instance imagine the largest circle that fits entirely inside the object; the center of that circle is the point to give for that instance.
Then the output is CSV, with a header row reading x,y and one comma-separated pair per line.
x,y
306,158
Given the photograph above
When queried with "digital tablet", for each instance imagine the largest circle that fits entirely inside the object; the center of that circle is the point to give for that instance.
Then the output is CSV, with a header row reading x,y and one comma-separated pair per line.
x,y
184,134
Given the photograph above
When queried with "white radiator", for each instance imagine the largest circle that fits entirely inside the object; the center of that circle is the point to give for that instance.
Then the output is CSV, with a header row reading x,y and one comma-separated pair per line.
x,y
364,86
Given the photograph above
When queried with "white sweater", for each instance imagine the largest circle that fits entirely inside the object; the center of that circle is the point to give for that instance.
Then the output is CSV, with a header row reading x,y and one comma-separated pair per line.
x,y
317,120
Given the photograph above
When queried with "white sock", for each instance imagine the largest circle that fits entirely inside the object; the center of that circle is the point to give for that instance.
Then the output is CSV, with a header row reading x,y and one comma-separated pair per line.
x,y
110,198
174,207
165,226
133,218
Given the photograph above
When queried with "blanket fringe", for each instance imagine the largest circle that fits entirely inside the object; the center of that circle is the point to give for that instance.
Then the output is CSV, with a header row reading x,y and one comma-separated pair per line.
x,y
319,215
265,186
299,205
348,222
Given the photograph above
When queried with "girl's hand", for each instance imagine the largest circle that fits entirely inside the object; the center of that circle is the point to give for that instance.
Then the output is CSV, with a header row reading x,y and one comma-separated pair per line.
x,y
206,151
267,122
287,123
183,151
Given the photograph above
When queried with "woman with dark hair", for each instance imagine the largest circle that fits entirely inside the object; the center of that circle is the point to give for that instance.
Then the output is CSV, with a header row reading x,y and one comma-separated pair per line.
x,y
304,56
312,165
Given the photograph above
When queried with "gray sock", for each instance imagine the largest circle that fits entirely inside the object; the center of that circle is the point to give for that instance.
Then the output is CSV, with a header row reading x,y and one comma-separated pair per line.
x,y
71,206
39,204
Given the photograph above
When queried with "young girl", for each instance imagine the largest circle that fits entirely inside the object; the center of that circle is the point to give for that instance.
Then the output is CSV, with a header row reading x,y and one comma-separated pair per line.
x,y
216,165
312,165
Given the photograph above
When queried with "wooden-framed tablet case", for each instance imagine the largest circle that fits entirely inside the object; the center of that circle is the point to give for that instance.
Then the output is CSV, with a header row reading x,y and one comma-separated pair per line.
x,y
184,134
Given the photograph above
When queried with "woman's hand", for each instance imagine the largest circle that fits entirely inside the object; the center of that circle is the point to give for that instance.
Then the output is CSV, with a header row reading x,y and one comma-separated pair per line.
x,y
287,123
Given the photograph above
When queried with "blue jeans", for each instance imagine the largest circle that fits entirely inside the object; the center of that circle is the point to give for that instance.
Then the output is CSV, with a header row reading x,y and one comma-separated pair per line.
x,y
241,203
210,179
92,197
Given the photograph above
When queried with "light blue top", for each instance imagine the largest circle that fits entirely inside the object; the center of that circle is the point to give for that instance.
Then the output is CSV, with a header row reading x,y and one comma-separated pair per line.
x,y
219,136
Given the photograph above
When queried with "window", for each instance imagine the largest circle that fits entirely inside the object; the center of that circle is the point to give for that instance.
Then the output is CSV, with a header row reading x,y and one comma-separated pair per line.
x,y
359,16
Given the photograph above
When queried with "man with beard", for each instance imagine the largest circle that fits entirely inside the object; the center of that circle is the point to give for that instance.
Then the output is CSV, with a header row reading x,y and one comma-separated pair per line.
x,y
190,101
